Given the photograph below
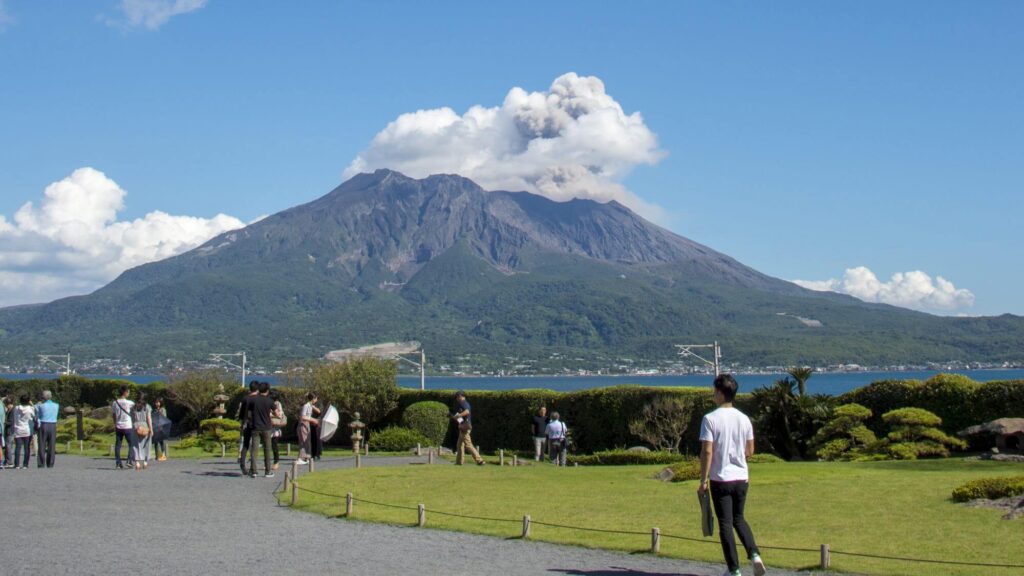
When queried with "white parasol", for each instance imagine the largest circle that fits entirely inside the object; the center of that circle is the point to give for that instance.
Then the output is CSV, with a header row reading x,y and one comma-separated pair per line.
x,y
329,423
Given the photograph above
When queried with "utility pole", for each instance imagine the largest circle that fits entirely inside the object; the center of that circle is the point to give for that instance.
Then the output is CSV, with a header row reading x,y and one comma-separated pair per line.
x,y
65,361
686,351
224,358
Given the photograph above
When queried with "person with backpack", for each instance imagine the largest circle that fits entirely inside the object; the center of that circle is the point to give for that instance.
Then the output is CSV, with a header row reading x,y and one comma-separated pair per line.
x,y
727,440
142,432
23,415
159,443
557,433
463,417
122,414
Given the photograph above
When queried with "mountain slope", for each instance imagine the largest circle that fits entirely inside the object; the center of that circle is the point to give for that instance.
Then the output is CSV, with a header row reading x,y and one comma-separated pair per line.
x,y
486,274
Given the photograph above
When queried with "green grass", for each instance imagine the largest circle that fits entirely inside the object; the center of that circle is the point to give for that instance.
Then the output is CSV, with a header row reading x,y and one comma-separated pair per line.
x,y
99,445
886,508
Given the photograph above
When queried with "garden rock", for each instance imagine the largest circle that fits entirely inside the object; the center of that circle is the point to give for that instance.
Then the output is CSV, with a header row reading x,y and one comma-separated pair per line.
x,y
1008,432
666,475
638,449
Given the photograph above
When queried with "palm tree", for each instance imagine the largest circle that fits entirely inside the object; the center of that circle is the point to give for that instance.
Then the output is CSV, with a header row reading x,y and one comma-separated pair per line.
x,y
801,375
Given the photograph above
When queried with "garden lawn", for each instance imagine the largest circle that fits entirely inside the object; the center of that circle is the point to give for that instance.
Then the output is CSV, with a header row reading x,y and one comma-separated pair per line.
x,y
99,445
884,508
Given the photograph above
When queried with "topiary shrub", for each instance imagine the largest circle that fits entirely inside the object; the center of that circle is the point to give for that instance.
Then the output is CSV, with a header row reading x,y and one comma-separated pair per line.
x,y
989,488
190,442
914,433
429,419
765,458
397,439
845,437
686,470
625,458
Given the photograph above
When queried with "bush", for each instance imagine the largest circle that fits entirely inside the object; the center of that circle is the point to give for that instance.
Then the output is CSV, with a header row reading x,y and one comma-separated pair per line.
x,y
686,470
67,429
364,385
845,437
662,422
765,458
989,488
195,391
625,458
429,419
914,433
190,442
397,439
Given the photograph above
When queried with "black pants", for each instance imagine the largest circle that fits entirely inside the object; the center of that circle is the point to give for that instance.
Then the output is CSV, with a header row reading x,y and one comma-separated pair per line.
x,y
729,499
46,447
316,445
122,435
260,437
20,445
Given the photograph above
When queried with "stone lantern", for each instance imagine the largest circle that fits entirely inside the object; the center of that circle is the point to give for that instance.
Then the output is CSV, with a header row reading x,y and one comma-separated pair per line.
x,y
357,432
220,399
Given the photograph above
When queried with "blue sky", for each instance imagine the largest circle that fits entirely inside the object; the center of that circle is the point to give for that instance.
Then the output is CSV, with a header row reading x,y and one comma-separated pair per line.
x,y
804,139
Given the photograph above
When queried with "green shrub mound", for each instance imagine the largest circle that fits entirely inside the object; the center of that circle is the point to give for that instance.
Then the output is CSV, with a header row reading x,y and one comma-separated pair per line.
x,y
67,429
397,439
989,488
686,470
913,434
429,419
625,458
765,458
845,436
190,442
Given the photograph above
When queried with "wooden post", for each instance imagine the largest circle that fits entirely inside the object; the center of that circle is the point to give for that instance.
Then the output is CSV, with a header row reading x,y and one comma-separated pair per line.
x,y
421,516
287,479
288,449
526,527
295,492
366,448
359,461
826,557
430,457
515,459
69,447
655,541
81,446
419,449
348,505
501,457
312,466
223,450
295,470
111,449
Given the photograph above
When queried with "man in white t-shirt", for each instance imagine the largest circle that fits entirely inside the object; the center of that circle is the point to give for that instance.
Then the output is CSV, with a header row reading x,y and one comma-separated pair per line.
x,y
726,440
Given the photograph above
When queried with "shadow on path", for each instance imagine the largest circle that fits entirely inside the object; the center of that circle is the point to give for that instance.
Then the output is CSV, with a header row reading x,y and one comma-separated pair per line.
x,y
615,571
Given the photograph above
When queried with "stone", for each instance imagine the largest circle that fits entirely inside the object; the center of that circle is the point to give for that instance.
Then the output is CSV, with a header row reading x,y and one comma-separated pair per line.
x,y
1008,433
666,475
638,449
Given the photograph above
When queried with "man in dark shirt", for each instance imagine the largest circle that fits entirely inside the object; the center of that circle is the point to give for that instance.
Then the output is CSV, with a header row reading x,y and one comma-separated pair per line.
x,y
260,409
463,418
243,418
540,425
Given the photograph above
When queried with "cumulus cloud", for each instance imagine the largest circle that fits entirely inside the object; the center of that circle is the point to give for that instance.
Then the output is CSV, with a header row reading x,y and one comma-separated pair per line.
x,y
914,289
152,14
73,243
571,141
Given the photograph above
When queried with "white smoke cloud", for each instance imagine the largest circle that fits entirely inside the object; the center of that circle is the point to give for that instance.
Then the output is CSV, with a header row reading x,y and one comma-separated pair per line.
x,y
572,141
72,243
915,290
152,14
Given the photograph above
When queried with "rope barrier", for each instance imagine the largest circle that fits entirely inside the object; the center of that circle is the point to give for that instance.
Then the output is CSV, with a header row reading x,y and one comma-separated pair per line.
x,y
672,536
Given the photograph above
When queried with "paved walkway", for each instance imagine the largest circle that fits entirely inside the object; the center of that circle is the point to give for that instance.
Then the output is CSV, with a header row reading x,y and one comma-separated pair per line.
x,y
201,517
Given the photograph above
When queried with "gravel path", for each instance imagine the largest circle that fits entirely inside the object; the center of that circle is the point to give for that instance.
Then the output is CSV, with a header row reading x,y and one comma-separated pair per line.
x,y
201,517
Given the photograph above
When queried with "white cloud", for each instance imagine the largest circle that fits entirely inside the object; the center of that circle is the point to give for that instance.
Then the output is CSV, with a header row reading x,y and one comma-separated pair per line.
x,y
153,14
572,141
913,289
72,243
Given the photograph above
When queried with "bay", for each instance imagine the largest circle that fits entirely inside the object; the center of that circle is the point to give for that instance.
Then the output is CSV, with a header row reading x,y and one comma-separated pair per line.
x,y
830,383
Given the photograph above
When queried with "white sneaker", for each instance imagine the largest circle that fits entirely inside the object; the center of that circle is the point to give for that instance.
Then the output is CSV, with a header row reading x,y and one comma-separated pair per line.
x,y
302,462
759,569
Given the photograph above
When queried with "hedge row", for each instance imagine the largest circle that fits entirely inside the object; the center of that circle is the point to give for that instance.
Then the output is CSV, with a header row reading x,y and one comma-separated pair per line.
x,y
958,400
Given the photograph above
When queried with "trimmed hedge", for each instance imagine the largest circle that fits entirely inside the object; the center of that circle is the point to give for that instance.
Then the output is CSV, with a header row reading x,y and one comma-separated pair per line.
x,y
625,458
989,488
397,439
959,401
429,419
686,470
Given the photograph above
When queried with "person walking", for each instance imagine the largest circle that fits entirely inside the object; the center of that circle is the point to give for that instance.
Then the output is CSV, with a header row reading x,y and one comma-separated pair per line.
x,y
261,410
306,419
142,432
243,417
279,420
727,440
122,414
160,445
463,418
47,412
23,415
557,434
540,427
316,445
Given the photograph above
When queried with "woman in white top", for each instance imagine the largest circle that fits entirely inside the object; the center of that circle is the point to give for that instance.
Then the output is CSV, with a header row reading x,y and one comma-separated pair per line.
x,y
24,417
305,419
557,433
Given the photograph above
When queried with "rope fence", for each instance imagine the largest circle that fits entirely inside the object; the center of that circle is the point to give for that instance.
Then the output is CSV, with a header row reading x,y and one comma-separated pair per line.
x,y
655,534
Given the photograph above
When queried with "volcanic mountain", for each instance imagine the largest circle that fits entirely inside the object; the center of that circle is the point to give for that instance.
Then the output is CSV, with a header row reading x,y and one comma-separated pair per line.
x,y
490,279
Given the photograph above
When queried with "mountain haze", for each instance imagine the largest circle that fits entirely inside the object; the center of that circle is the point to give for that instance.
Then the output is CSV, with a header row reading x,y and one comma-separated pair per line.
x,y
472,272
